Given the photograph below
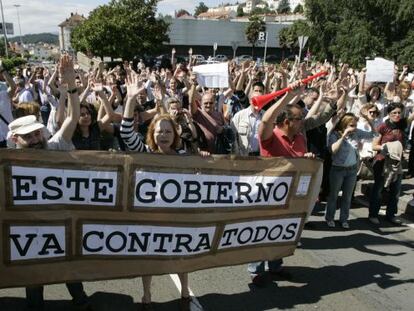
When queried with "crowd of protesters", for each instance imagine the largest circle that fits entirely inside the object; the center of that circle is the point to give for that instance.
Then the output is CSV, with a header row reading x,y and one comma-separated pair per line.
x,y
356,127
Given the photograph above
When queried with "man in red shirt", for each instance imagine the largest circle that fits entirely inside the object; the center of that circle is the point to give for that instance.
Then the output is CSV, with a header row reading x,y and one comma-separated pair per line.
x,y
283,140
286,138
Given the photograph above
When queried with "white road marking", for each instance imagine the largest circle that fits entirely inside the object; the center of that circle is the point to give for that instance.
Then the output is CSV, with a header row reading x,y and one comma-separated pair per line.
x,y
195,304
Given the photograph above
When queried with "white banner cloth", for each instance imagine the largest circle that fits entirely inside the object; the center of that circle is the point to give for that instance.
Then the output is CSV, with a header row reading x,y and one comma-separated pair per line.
x,y
213,75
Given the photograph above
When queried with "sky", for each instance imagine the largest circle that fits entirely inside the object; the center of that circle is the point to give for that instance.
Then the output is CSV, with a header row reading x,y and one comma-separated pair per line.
x,y
38,16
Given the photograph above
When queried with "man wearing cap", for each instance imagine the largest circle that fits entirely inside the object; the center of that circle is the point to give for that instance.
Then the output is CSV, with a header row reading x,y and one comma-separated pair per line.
x,y
27,132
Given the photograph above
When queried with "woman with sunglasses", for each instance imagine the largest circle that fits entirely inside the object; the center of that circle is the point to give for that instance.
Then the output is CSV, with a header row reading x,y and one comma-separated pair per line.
x,y
368,122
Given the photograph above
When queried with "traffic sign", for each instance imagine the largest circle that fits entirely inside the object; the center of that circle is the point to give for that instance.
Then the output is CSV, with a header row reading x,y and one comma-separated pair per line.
x,y
262,36
302,41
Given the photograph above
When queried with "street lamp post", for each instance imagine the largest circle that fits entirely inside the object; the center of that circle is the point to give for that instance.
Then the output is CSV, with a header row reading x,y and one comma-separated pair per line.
x,y
4,30
17,6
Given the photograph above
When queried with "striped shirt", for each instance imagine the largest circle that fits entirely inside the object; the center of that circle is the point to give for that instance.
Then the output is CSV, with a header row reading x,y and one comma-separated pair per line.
x,y
132,139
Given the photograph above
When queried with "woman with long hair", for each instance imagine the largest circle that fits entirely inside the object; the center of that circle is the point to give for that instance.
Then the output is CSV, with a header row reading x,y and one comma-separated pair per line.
x,y
88,131
343,144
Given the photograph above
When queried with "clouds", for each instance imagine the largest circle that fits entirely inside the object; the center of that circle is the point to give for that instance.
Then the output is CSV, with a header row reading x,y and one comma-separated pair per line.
x,y
169,6
44,16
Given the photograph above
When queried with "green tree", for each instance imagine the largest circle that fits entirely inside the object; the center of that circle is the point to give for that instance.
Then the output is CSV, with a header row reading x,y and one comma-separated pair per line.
x,y
258,10
240,12
288,37
201,8
352,29
403,50
181,12
254,27
298,9
2,49
121,29
283,7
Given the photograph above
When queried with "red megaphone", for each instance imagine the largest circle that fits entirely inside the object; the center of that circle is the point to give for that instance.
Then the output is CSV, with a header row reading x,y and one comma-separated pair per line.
x,y
260,101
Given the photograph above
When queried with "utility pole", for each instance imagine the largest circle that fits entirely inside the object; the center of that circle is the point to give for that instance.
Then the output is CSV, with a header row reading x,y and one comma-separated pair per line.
x,y
17,6
4,30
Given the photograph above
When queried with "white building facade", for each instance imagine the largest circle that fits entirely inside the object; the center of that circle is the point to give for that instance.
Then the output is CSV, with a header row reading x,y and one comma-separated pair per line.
x,y
66,28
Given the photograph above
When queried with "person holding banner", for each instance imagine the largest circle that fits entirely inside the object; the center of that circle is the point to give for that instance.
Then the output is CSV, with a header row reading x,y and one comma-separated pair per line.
x,y
162,137
283,140
27,132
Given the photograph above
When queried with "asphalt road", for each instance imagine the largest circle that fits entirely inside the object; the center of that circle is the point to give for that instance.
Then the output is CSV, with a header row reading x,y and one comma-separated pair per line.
x,y
364,268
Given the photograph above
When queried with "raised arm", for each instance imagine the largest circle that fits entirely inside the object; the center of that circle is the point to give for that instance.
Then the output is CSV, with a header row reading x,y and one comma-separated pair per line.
x,y
128,135
52,81
9,80
68,75
268,120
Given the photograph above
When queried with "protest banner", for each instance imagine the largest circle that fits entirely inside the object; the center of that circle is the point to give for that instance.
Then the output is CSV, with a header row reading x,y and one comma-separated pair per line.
x,y
90,215
380,70
213,75
85,62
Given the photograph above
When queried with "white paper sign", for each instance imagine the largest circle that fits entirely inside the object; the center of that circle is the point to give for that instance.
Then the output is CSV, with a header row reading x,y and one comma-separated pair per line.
x,y
409,77
213,75
136,240
37,242
260,232
380,70
44,186
153,189
303,186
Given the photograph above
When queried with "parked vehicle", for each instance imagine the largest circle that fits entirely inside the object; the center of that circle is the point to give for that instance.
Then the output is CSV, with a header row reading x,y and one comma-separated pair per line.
x,y
273,58
199,58
243,58
220,58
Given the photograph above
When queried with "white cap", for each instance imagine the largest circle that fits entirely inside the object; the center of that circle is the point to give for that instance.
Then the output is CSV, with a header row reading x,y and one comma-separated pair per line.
x,y
24,125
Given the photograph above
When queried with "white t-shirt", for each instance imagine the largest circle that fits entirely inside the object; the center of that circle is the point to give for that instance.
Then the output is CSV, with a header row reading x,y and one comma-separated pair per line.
x,y
25,95
56,142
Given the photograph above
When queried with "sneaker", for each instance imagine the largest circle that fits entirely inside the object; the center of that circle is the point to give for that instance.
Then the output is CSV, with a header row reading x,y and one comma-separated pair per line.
x,y
345,225
330,223
394,220
374,220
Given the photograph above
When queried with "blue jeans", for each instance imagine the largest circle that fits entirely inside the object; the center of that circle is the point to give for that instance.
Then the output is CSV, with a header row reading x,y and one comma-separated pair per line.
x,y
259,267
341,178
376,193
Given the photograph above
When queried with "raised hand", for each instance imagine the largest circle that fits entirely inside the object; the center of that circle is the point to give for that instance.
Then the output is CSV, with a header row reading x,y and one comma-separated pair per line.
x,y
132,84
66,69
